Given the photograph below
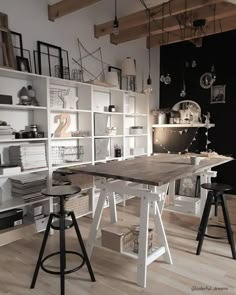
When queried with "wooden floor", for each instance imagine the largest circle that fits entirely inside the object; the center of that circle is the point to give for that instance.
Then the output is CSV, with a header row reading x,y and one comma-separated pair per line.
x,y
116,274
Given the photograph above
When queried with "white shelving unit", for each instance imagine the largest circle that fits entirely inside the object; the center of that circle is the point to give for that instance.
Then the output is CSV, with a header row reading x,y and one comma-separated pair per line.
x,y
90,115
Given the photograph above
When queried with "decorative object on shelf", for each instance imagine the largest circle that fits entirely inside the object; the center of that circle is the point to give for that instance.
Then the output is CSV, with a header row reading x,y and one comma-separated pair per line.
x,y
24,97
117,151
115,30
5,99
80,133
190,111
77,75
208,79
129,72
65,74
23,64
32,96
6,43
57,97
64,121
90,76
31,132
148,89
70,102
111,108
119,74
111,131
218,94
112,79
63,154
161,116
19,50
136,130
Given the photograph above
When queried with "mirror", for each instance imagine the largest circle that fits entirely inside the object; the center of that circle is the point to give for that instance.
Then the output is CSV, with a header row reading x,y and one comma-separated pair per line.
x,y
189,110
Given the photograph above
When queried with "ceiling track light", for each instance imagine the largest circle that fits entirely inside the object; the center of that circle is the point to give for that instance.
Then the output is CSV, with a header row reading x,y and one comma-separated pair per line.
x,y
115,30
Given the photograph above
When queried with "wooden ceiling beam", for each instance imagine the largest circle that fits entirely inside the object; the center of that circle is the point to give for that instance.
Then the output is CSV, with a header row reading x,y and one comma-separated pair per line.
x,y
171,23
224,25
136,19
65,7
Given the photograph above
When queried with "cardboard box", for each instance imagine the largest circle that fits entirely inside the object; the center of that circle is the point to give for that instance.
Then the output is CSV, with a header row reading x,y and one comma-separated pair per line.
x,y
118,236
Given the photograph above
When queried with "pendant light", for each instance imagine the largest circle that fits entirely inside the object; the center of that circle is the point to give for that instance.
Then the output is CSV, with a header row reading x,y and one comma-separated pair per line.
x,y
148,89
115,30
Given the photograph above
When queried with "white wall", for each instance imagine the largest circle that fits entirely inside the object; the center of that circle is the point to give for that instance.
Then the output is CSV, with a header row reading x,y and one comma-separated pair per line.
x,y
29,17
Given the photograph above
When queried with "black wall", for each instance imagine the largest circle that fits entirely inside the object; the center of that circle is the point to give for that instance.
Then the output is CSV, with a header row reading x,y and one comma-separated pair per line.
x,y
219,50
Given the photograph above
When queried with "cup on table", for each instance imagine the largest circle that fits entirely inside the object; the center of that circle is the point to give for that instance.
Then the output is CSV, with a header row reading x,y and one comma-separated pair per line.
x,y
195,160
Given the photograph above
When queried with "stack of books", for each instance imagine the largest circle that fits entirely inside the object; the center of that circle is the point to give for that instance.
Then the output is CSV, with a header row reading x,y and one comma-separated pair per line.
x,y
28,186
28,156
6,132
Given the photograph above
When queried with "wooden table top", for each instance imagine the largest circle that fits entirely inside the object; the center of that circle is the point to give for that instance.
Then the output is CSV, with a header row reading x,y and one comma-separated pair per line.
x,y
153,170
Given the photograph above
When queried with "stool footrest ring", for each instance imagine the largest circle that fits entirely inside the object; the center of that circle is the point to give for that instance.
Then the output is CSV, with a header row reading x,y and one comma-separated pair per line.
x,y
215,237
66,271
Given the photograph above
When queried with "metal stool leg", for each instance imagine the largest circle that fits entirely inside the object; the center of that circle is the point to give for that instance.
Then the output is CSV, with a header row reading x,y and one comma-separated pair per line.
x,y
228,225
83,247
62,252
204,222
41,251
203,218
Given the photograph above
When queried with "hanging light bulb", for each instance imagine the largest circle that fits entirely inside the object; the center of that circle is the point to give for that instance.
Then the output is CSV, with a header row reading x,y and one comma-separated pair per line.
x,y
115,30
148,89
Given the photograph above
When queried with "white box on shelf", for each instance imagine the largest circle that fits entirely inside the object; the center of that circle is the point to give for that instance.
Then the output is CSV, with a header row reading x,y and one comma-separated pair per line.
x,y
187,204
41,223
9,170
35,210
137,151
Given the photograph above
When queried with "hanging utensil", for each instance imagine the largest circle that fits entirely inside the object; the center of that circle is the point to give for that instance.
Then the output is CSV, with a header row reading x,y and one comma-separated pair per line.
x,y
183,91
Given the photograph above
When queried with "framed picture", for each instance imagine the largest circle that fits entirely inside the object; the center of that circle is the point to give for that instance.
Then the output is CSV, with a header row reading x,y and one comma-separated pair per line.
x,y
119,73
22,64
218,94
189,187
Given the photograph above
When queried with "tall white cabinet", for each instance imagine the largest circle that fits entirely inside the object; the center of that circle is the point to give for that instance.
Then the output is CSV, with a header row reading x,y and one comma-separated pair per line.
x,y
94,143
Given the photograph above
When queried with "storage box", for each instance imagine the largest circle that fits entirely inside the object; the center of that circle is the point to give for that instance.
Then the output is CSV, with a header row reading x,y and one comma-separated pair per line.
x,y
117,237
35,210
41,223
11,218
187,205
137,151
79,204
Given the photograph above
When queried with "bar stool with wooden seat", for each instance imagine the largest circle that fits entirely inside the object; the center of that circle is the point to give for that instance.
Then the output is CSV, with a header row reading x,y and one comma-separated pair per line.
x,y
215,198
61,223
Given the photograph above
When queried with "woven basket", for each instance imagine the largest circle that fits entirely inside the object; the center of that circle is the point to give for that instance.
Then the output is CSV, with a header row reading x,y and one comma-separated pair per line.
x,y
80,204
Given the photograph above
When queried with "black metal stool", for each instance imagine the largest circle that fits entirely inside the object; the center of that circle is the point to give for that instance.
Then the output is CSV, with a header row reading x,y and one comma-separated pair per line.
x,y
62,224
215,198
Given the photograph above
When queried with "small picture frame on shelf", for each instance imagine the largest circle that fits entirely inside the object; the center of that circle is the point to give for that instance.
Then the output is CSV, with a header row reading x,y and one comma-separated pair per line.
x,y
5,99
218,94
189,187
22,64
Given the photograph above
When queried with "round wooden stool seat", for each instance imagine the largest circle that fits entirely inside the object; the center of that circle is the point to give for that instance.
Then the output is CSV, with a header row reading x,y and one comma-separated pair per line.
x,y
61,191
217,187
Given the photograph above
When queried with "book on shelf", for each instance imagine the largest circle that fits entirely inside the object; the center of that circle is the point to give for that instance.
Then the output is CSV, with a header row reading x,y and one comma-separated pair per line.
x,y
29,190
29,178
17,184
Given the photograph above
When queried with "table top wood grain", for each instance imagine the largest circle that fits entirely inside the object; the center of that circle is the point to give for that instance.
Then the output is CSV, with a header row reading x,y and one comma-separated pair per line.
x,y
153,170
